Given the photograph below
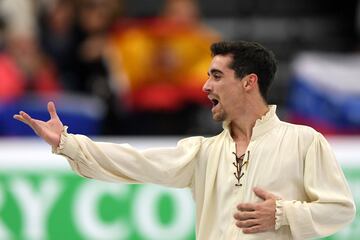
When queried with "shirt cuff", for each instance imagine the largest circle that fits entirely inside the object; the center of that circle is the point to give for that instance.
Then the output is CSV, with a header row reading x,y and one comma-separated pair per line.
x,y
280,218
67,146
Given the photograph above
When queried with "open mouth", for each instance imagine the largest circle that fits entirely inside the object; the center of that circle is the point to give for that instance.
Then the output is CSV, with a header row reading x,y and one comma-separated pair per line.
x,y
214,102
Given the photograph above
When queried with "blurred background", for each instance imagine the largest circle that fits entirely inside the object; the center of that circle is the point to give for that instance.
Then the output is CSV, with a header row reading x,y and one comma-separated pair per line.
x,y
132,70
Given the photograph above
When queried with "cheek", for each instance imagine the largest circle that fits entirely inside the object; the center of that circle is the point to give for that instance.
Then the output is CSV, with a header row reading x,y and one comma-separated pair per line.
x,y
232,100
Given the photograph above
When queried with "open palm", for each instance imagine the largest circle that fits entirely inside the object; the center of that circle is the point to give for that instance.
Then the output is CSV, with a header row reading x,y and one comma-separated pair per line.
x,y
50,131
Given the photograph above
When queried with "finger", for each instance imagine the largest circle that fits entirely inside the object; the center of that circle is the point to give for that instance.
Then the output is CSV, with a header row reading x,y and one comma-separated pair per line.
x,y
29,121
261,193
19,117
253,229
246,207
244,215
25,117
52,110
247,223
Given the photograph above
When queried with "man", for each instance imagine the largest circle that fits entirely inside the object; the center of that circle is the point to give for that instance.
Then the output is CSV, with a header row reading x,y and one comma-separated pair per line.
x,y
260,178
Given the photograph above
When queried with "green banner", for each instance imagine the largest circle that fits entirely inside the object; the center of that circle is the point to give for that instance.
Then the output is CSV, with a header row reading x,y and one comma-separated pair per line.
x,y
58,205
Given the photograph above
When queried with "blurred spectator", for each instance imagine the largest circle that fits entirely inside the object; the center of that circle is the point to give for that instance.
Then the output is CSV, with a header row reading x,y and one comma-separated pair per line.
x,y
165,60
28,77
78,42
95,17
59,38
75,34
23,66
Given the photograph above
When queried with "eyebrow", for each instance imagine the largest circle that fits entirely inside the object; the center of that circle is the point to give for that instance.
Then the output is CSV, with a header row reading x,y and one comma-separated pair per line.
x,y
214,71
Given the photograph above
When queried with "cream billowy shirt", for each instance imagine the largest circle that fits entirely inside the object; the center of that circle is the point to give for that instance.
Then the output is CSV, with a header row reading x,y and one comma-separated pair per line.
x,y
291,161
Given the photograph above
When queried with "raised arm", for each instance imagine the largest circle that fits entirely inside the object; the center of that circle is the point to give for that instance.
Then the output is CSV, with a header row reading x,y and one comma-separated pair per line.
x,y
117,162
50,131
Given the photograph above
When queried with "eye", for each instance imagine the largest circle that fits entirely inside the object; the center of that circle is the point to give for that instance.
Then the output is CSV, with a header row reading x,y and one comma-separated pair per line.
x,y
217,76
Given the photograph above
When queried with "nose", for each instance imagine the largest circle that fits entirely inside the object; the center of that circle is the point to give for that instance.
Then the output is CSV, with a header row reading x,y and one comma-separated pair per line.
x,y
206,87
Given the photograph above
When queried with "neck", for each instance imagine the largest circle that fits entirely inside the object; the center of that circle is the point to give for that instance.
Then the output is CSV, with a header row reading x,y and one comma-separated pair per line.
x,y
242,126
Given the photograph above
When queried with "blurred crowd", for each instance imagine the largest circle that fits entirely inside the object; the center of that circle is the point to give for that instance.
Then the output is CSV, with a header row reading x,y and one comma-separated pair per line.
x,y
146,72
112,73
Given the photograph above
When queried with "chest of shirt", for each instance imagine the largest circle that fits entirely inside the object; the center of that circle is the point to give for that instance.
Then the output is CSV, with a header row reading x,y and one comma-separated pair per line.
x,y
272,163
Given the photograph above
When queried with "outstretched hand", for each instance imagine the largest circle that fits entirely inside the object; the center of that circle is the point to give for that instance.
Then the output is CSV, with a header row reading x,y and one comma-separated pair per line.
x,y
50,131
257,217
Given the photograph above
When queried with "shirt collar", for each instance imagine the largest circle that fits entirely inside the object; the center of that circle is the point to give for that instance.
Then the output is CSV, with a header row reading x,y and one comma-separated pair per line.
x,y
262,125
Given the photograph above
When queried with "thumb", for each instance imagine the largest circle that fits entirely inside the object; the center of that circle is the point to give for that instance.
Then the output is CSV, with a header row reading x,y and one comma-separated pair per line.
x,y
261,193
52,110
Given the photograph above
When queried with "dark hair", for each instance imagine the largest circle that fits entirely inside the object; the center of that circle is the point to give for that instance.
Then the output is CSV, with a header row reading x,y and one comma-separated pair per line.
x,y
249,57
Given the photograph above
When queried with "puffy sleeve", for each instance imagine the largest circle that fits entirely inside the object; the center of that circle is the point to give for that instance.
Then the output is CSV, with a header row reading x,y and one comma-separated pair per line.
x,y
122,163
330,204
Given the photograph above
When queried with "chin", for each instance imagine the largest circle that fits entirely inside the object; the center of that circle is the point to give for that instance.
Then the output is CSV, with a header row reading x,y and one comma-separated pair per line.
x,y
218,117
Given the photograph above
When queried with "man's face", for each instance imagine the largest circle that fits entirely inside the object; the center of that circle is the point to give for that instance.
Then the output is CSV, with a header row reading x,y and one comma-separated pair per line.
x,y
224,89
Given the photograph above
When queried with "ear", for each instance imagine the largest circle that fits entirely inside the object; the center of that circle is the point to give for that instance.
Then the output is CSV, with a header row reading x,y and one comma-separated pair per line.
x,y
250,81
